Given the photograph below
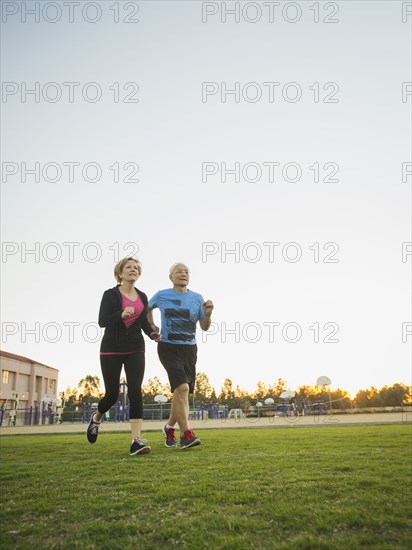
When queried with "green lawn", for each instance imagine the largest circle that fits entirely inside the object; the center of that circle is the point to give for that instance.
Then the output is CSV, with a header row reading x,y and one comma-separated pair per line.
x,y
296,488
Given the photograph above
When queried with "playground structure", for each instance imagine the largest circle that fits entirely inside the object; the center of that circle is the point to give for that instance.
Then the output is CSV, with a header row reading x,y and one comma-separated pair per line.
x,y
49,411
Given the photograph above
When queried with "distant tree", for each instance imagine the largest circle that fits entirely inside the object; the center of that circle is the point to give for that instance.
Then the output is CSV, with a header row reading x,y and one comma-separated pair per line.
x,y
305,393
227,395
376,397
321,393
242,397
368,398
261,391
240,393
152,388
227,389
71,395
311,394
203,388
276,389
388,396
408,396
362,398
395,395
213,397
340,399
89,387
167,391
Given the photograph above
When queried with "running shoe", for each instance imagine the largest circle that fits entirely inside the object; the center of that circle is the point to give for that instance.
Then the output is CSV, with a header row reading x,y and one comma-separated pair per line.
x,y
139,448
92,430
170,438
189,439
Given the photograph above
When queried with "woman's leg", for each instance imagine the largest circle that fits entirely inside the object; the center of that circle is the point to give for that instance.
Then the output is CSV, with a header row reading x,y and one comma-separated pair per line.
x,y
134,366
111,368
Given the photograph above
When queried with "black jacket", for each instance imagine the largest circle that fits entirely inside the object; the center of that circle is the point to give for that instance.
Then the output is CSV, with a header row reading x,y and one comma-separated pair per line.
x,y
118,338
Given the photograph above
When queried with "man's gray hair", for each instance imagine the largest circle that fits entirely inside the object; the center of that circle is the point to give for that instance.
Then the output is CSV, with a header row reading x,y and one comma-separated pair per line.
x,y
174,267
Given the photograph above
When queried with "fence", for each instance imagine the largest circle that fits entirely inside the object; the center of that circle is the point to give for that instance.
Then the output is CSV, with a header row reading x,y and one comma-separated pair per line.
x,y
27,416
44,414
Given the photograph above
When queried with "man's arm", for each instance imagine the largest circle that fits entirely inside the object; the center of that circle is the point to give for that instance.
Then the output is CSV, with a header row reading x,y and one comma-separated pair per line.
x,y
206,321
155,335
150,317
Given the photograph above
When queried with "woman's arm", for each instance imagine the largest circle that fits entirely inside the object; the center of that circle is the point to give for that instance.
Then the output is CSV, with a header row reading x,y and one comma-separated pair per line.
x,y
109,314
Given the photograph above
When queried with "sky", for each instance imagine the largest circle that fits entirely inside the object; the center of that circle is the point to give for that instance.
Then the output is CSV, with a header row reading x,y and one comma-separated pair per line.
x,y
265,145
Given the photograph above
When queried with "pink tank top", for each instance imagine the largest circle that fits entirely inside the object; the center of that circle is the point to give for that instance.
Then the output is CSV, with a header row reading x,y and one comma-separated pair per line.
x,y
138,308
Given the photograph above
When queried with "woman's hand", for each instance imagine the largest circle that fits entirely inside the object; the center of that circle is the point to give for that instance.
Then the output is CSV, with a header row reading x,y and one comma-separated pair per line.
x,y
127,312
156,335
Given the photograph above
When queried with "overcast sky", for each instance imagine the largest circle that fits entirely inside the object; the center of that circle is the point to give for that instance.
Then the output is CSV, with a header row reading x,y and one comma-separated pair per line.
x,y
265,145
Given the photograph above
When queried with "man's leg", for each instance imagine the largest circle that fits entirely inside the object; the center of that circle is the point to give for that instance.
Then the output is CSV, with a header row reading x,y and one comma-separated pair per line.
x,y
173,359
180,408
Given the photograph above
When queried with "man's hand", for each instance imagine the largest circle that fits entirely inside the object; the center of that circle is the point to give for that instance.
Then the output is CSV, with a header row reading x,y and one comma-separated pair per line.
x,y
207,319
208,308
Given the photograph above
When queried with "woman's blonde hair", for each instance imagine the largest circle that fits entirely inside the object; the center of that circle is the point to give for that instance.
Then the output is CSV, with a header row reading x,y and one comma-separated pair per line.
x,y
118,268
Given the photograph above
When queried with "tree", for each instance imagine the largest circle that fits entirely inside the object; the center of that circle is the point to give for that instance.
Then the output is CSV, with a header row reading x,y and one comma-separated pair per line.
x,y
261,391
152,388
167,391
71,395
213,397
278,388
242,397
362,398
305,393
395,395
227,395
392,396
227,389
89,387
340,399
203,388
368,398
240,393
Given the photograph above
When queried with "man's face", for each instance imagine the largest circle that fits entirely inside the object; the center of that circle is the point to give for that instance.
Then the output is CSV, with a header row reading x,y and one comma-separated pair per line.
x,y
180,275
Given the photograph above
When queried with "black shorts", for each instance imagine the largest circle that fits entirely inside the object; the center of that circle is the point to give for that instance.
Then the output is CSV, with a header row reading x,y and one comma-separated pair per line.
x,y
179,360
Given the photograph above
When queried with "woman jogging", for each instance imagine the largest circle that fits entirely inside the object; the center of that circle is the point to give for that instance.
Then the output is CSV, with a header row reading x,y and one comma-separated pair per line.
x,y
123,312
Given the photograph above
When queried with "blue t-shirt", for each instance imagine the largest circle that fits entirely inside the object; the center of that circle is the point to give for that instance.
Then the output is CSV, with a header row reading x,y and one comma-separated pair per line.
x,y
180,312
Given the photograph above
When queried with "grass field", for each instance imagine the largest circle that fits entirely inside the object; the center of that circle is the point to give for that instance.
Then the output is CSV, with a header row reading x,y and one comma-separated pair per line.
x,y
297,488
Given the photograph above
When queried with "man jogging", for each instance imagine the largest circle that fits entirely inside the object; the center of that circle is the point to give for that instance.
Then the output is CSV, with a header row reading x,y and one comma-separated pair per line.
x,y
180,309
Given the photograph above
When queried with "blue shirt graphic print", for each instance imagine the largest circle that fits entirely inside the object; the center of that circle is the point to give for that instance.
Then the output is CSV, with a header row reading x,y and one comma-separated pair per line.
x,y
179,312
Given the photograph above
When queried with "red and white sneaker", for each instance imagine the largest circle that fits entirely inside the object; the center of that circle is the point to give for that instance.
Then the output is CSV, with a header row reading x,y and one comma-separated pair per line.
x,y
188,439
170,438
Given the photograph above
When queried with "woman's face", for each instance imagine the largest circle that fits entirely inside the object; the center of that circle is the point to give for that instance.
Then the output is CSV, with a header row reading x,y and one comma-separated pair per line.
x,y
130,272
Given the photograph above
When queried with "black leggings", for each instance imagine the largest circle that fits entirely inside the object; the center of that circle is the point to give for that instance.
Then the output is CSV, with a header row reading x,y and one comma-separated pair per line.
x,y
134,368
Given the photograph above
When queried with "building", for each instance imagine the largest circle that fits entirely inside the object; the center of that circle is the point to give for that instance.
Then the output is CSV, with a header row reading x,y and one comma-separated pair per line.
x,y
25,382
